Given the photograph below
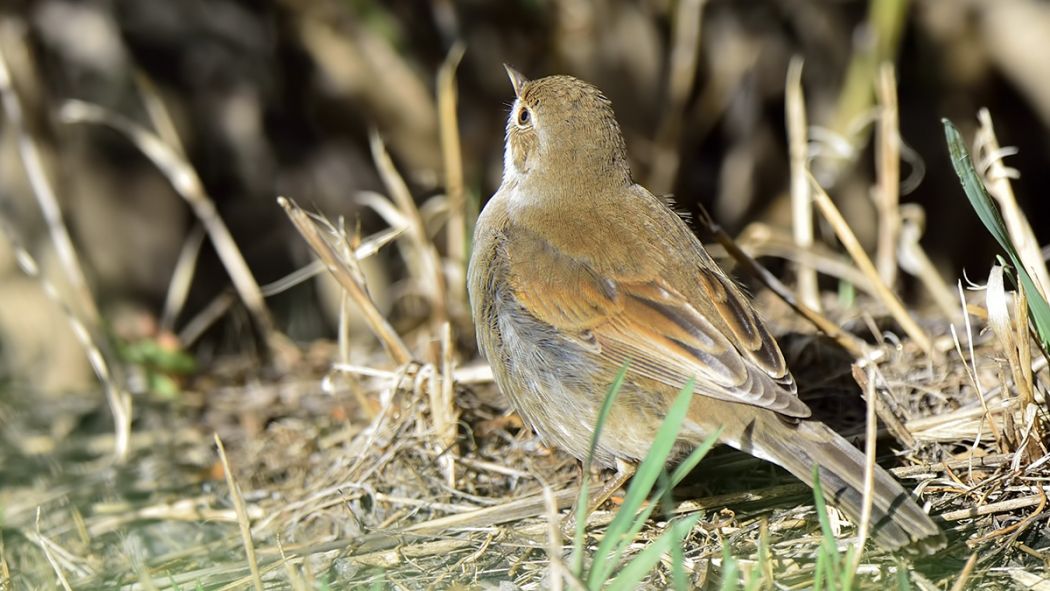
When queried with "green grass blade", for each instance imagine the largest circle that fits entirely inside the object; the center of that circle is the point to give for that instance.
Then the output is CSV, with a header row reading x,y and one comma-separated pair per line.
x,y
679,580
583,499
633,572
848,577
903,582
729,570
681,471
641,485
828,547
987,211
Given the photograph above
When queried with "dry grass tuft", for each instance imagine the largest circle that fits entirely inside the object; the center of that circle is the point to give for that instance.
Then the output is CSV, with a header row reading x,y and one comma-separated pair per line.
x,y
400,467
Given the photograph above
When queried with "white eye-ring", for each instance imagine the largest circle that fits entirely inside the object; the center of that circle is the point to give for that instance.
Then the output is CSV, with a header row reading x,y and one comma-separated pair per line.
x,y
524,117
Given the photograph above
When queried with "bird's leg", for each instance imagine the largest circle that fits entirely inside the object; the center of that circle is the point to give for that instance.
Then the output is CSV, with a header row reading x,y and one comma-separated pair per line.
x,y
624,471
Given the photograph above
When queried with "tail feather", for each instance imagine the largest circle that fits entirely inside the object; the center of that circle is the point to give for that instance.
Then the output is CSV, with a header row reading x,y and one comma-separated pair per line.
x,y
897,521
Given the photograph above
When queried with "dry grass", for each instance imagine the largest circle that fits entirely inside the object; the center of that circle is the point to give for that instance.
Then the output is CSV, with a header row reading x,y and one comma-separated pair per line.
x,y
360,477
400,467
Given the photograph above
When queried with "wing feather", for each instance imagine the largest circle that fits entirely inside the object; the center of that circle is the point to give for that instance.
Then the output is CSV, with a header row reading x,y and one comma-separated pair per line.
x,y
711,335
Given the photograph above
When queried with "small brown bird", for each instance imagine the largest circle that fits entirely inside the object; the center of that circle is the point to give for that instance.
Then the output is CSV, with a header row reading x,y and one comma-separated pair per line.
x,y
577,269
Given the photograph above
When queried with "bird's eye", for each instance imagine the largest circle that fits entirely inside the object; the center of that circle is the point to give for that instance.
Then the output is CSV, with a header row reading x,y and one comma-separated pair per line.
x,y
524,117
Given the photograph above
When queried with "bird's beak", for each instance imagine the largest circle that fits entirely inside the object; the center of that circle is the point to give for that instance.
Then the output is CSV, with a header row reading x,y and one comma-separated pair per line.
x,y
516,79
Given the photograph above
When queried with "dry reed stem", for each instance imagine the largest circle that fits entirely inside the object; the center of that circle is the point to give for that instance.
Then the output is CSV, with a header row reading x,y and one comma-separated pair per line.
x,y
5,570
993,508
971,372
158,112
367,247
181,278
45,547
83,302
187,184
119,401
452,157
242,515
82,313
761,240
336,265
972,463
554,540
1004,328
514,510
111,517
209,315
888,170
870,437
1029,581
1016,528
297,582
856,251
443,409
913,259
1026,395
964,575
422,258
886,414
801,203
685,50
997,180
855,346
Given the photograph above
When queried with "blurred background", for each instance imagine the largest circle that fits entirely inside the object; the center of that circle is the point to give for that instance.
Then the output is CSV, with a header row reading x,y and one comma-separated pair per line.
x,y
272,98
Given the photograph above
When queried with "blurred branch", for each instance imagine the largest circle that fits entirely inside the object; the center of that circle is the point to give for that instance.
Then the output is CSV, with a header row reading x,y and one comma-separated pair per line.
x,y
422,257
453,158
343,269
855,346
83,303
801,203
83,315
997,179
118,398
685,49
888,168
184,179
855,250
876,41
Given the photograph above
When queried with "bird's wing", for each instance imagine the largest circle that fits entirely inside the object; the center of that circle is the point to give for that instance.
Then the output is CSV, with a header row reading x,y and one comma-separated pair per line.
x,y
713,337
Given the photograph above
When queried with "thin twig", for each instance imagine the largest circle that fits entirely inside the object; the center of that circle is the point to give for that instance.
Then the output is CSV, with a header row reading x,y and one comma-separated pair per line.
x,y
801,203
964,575
992,508
685,50
446,405
554,540
45,544
386,334
855,346
187,184
424,257
452,156
45,196
181,278
242,515
888,167
869,477
997,179
856,251
120,405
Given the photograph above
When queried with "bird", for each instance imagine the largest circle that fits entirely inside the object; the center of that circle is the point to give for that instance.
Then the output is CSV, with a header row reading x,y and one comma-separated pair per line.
x,y
577,271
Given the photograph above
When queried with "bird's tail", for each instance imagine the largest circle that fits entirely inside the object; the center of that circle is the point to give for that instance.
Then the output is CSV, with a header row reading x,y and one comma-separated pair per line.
x,y
896,520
